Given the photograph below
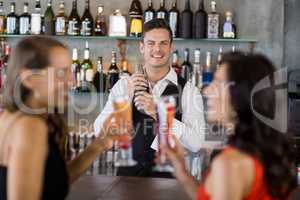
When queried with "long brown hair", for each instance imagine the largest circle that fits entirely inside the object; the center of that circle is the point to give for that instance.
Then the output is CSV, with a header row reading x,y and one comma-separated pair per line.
x,y
272,148
32,53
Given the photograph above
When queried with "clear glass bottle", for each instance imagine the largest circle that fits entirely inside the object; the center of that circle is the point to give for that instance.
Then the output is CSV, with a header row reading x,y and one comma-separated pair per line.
x,y
36,19
229,28
208,71
75,69
61,20
197,70
117,24
213,22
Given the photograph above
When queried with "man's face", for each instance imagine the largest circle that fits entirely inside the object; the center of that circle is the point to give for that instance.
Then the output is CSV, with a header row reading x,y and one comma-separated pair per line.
x,y
156,48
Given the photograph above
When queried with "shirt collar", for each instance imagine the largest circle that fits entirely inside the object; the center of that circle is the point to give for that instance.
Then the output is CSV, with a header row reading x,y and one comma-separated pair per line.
x,y
171,76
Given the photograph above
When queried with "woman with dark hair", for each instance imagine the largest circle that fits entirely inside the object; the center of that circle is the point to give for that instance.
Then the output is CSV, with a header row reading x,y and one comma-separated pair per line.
x,y
32,133
258,162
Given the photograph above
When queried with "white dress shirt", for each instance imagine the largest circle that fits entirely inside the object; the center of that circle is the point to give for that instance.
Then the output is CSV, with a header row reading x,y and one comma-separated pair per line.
x,y
190,131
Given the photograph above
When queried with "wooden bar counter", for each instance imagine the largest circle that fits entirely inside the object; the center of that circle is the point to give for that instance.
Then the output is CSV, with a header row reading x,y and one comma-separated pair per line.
x,y
131,188
126,188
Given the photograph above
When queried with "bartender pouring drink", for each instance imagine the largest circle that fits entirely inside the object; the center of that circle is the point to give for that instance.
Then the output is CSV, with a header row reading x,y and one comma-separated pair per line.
x,y
159,79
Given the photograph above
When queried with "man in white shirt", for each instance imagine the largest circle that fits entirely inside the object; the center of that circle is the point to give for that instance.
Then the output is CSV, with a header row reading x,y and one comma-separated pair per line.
x,y
156,48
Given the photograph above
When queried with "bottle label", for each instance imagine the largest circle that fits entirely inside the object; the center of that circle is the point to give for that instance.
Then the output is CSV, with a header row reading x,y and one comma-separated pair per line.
x,y
89,75
36,23
173,21
24,25
148,16
136,26
161,15
73,27
213,26
77,78
60,25
11,25
117,26
86,28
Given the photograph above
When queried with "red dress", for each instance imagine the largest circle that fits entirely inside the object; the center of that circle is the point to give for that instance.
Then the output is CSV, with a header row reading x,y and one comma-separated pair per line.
x,y
259,190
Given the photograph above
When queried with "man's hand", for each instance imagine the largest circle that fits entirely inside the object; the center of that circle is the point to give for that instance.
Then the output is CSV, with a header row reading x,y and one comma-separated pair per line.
x,y
145,103
138,82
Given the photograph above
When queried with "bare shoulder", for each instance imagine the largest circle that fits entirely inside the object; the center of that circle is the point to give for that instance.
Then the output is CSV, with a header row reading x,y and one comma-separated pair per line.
x,y
30,130
237,171
233,162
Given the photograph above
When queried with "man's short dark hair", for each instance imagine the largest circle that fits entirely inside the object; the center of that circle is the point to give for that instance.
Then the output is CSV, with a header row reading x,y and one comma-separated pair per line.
x,y
157,24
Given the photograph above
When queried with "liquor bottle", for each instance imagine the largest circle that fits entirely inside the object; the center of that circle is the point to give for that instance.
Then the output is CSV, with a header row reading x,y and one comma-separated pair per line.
x,y
187,21
7,52
113,71
149,12
61,20
200,21
100,24
24,26
2,18
197,70
207,71
124,72
229,28
174,19
175,63
75,69
36,19
162,13
186,66
117,24
87,23
49,20
100,77
74,20
213,22
140,70
220,57
136,19
12,20
87,73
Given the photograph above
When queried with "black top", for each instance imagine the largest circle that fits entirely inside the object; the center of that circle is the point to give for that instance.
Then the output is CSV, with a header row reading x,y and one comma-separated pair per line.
x,y
55,176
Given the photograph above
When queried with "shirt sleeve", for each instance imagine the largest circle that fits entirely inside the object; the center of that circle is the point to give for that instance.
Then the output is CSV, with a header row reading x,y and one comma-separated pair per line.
x,y
191,130
121,88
